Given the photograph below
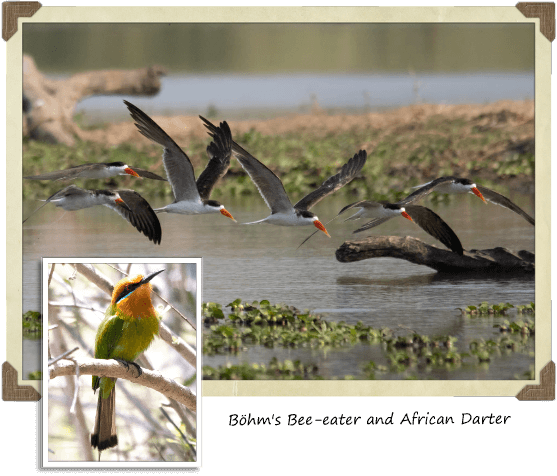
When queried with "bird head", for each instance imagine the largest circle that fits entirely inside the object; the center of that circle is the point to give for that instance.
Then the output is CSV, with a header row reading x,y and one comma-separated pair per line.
x,y
132,295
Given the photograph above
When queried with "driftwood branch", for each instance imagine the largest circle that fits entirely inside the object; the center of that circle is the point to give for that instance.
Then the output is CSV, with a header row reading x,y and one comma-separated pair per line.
x,y
111,368
49,105
496,260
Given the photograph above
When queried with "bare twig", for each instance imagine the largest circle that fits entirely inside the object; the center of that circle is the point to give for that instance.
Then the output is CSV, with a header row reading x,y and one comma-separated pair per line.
x,y
51,273
179,431
64,355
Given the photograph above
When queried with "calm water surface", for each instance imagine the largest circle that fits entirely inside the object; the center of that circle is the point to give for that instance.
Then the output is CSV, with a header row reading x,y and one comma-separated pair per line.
x,y
232,94
261,262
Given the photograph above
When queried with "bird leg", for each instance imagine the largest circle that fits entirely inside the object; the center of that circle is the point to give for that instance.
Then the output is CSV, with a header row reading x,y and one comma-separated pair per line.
x,y
127,363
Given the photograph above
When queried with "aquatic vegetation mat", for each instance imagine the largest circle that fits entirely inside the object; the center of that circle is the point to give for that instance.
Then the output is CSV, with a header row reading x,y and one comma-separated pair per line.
x,y
261,323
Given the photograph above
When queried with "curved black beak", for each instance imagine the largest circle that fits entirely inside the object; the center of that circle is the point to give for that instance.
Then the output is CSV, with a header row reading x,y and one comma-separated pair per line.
x,y
148,278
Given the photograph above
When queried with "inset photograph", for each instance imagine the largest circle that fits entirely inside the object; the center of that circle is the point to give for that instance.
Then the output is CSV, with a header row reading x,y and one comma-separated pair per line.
x,y
120,363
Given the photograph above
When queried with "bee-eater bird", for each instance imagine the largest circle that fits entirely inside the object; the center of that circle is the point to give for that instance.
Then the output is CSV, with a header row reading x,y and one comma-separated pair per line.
x,y
127,203
96,171
191,197
129,327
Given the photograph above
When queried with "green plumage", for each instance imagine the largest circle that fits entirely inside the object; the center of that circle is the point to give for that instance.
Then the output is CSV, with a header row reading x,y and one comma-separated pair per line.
x,y
122,337
129,327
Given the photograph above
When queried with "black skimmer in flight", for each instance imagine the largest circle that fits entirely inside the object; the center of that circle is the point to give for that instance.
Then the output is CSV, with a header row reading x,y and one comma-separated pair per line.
x,y
425,218
128,203
271,189
461,185
191,198
96,171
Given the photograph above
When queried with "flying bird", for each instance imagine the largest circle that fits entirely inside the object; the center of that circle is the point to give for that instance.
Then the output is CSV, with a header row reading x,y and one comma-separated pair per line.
x,y
130,325
128,203
430,222
96,171
462,185
191,198
425,218
271,189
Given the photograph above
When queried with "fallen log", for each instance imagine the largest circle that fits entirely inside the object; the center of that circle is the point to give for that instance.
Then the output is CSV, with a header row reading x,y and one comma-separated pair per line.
x,y
496,260
48,104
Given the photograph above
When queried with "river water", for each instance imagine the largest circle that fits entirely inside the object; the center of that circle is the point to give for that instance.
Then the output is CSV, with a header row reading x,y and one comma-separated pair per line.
x,y
261,262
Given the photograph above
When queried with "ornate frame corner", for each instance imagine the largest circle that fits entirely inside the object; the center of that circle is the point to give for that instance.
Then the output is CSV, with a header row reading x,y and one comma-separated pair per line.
x,y
11,11
545,390
11,391
545,11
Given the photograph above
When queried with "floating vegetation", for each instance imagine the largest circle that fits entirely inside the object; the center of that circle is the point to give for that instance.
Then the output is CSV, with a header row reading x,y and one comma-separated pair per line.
x,y
269,325
526,328
32,325
286,370
278,325
528,375
36,375
485,309
527,309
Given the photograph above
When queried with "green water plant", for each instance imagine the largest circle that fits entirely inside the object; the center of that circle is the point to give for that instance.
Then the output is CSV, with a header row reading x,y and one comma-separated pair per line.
x,y
485,309
275,370
32,324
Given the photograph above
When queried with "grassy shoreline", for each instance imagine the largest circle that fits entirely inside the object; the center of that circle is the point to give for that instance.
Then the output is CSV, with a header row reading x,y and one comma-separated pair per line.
x,y
497,145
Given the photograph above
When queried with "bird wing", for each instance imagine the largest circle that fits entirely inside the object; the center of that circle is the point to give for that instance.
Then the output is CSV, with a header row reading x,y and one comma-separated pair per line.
x,y
176,163
141,216
499,199
147,174
347,172
433,224
269,185
108,334
372,224
352,205
66,174
425,189
219,152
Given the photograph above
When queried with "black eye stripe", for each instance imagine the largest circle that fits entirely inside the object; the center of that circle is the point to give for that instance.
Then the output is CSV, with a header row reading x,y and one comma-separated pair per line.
x,y
128,289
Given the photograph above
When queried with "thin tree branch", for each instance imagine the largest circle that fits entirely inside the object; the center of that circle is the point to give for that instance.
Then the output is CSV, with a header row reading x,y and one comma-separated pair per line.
x,y
110,368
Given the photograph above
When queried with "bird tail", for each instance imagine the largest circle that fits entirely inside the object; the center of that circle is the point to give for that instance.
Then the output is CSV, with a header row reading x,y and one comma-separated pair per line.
x,y
356,216
254,222
104,434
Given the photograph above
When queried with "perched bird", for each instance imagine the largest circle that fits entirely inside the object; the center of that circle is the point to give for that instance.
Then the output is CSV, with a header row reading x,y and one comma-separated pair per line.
x,y
425,218
96,171
128,203
271,189
461,185
191,198
129,327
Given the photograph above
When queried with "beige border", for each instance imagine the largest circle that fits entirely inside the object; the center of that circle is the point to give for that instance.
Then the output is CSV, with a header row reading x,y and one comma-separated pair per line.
x,y
297,15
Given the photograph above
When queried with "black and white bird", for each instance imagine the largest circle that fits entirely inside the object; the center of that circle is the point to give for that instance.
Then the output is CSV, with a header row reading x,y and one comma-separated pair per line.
x,y
462,185
430,222
444,185
96,171
128,203
271,189
425,218
191,198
